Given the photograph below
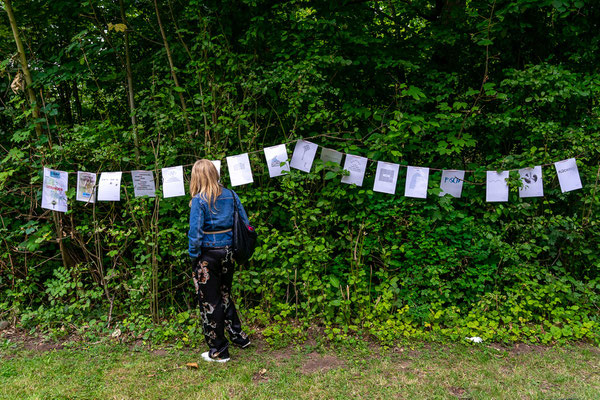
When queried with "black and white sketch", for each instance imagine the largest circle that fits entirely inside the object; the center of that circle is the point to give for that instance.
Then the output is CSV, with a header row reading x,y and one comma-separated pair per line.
x,y
417,179
496,187
304,155
217,164
386,177
276,155
532,182
239,169
330,155
357,166
172,179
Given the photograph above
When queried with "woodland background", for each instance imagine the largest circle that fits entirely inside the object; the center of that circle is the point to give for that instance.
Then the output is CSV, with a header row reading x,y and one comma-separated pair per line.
x,y
482,85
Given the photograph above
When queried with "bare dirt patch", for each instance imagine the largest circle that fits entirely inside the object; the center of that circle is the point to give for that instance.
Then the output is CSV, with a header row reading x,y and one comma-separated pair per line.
x,y
458,392
523,348
160,352
316,362
31,342
260,376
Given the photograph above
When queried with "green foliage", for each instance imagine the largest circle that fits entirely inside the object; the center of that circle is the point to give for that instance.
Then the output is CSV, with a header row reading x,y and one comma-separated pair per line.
x,y
466,85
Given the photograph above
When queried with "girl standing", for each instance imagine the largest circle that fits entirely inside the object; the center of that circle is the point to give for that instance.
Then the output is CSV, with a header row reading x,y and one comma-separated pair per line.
x,y
210,247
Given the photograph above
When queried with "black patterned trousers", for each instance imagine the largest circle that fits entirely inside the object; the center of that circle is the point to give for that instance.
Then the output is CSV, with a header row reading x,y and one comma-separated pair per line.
x,y
213,276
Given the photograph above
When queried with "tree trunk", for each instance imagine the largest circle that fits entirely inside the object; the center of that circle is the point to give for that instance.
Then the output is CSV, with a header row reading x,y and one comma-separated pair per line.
x,y
172,66
130,87
24,66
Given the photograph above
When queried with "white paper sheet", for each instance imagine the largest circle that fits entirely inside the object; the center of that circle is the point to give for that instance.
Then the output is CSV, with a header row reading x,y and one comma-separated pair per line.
x,y
452,182
239,169
532,182
496,188
417,179
330,155
86,186
568,175
143,183
357,166
109,186
304,155
172,179
275,155
386,177
54,190
217,164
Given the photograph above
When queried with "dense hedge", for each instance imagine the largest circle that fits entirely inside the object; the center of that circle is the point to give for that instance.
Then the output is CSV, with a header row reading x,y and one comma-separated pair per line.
x,y
467,85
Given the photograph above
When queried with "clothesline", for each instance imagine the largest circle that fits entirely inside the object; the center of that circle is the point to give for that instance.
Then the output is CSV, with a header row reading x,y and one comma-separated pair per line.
x,y
369,159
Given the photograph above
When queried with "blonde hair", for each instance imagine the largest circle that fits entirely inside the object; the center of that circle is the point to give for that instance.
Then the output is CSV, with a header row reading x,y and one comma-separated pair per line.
x,y
205,181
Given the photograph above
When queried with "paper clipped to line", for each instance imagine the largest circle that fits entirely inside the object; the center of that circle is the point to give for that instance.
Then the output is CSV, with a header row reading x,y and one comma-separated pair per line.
x,y
172,178
143,183
304,155
386,177
276,156
54,191
86,186
109,186
357,166
417,179
452,183
568,175
531,178
496,187
239,169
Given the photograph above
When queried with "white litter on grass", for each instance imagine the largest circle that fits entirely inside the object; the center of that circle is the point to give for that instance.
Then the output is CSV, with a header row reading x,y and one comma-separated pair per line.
x,y
116,333
475,339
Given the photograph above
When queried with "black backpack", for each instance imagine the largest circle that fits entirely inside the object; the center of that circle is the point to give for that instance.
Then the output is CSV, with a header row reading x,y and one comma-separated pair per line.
x,y
244,237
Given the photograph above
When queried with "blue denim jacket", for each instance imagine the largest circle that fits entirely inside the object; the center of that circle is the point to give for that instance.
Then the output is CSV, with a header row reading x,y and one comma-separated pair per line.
x,y
219,218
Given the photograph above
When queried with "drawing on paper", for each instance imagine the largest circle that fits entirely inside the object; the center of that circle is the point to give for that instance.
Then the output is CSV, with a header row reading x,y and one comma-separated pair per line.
x,y
355,166
305,149
275,162
530,177
386,175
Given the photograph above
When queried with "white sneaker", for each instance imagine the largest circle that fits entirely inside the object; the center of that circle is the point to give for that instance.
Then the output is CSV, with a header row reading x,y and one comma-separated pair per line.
x,y
207,357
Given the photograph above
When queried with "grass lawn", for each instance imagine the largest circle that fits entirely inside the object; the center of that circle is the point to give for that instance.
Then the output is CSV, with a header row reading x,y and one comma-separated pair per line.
x,y
118,371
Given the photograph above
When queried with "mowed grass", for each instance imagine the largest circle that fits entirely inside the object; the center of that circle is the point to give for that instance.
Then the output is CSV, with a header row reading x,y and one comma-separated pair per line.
x,y
117,371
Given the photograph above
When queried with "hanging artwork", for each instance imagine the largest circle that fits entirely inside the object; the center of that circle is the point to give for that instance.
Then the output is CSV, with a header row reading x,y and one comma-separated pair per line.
x,y
54,191
386,177
357,166
86,190
568,175
417,179
452,182
532,182
303,156
109,186
143,183
276,155
217,164
239,169
172,179
330,155
496,188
